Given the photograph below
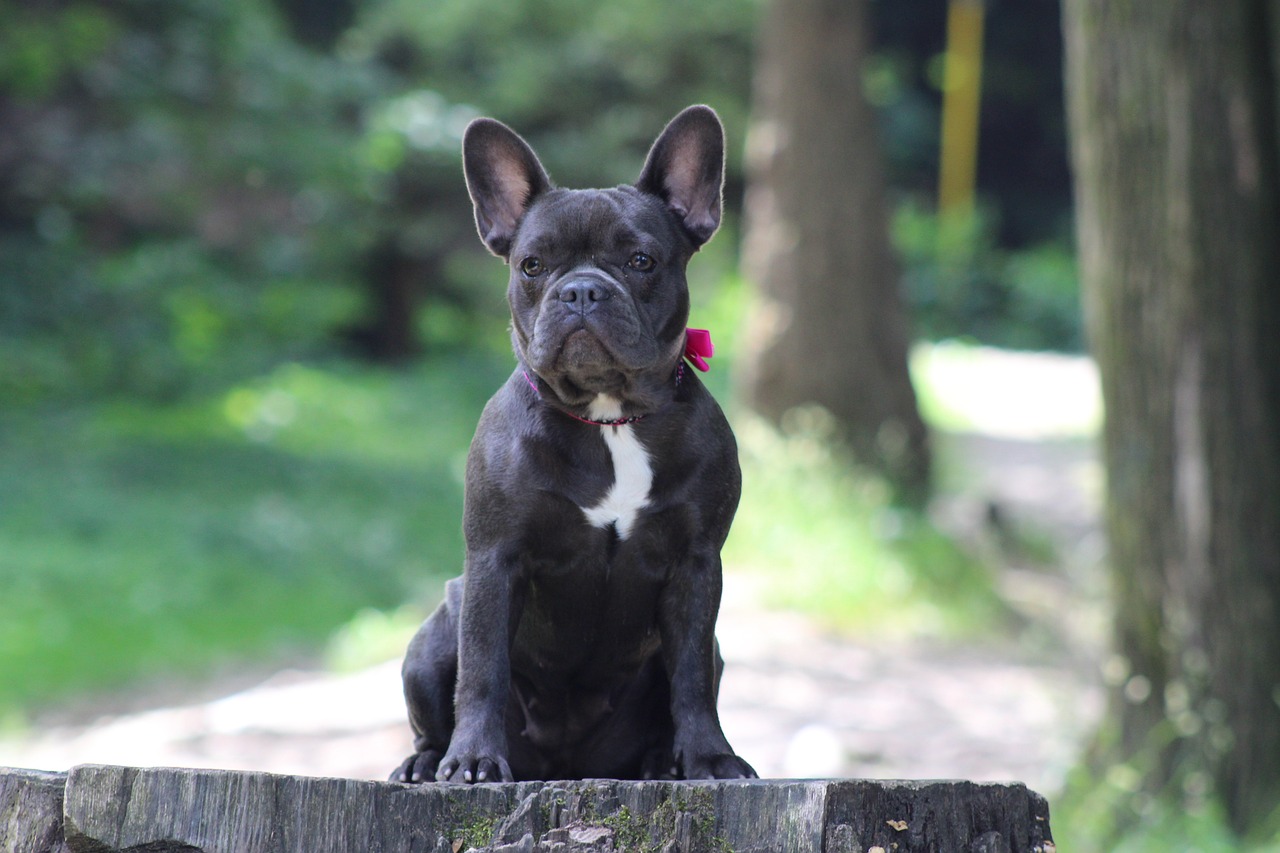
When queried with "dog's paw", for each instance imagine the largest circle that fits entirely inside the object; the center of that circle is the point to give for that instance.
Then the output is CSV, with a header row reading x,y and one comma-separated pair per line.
x,y
724,765
659,764
419,767
471,768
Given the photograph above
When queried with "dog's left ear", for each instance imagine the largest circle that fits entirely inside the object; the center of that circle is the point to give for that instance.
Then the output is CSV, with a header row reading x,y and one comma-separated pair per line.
x,y
685,168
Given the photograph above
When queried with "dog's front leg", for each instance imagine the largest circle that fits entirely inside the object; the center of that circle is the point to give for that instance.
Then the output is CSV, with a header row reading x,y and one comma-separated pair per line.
x,y
478,750
687,623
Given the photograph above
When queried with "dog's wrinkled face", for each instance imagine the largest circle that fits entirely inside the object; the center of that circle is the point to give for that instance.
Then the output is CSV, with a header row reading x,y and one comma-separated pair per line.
x,y
597,290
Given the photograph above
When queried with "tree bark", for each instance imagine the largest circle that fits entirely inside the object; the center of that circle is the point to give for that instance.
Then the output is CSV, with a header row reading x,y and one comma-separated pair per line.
x,y
31,808
1173,116
829,325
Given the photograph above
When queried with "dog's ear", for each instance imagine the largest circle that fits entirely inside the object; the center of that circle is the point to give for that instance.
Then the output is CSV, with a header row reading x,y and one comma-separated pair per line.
x,y
503,177
685,168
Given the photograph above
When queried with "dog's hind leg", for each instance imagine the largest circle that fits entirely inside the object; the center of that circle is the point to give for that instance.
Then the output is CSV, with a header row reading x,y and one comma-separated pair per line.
x,y
430,675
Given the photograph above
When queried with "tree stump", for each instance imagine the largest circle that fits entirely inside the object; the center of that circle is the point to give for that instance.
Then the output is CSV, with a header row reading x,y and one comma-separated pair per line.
x,y
31,811
97,809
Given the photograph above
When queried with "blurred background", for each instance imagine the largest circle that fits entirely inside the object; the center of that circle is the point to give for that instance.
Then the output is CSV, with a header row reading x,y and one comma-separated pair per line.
x,y
246,330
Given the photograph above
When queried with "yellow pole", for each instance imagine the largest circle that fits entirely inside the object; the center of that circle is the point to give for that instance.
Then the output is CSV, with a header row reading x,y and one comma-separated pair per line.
x,y
961,91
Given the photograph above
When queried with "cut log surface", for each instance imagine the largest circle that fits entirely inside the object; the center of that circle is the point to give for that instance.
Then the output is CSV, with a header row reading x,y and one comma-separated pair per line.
x,y
31,811
104,809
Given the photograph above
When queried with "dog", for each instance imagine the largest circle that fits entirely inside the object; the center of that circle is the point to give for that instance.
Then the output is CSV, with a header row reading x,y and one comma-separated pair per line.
x,y
600,486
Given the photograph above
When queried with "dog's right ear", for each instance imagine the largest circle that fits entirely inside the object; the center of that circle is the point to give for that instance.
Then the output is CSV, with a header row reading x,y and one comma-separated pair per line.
x,y
503,177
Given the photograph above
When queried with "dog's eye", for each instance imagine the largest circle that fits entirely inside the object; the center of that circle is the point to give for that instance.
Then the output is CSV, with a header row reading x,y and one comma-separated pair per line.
x,y
532,267
640,262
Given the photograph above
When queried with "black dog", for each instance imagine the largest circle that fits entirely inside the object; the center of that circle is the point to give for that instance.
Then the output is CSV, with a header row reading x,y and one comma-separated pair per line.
x,y
579,641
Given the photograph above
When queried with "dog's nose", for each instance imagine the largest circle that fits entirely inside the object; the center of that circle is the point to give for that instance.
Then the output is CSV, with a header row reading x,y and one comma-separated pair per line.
x,y
583,294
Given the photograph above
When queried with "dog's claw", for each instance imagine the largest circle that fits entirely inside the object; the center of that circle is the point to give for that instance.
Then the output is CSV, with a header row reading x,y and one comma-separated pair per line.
x,y
725,765
474,770
417,768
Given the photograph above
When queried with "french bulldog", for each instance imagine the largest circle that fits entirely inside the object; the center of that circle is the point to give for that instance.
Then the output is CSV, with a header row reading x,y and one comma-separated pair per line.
x,y
579,641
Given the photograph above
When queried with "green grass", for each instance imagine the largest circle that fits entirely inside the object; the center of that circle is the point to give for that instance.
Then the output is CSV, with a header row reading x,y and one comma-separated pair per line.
x,y
1110,815
826,540
826,537
301,510
145,541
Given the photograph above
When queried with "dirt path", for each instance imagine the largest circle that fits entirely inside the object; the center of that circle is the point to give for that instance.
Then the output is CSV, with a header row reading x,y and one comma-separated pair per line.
x,y
795,702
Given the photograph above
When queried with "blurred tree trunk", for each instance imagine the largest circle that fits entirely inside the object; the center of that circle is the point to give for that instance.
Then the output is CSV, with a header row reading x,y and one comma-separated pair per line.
x,y
394,285
1173,113
829,326
318,23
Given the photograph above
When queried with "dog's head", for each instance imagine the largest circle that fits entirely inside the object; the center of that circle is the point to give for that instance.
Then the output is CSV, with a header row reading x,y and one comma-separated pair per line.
x,y
598,294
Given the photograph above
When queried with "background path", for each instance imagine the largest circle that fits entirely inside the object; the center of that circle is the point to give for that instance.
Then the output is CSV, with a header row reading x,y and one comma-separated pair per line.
x,y
795,702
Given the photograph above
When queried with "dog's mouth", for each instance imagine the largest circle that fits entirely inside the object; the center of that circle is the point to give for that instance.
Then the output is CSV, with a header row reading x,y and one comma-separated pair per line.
x,y
597,352
575,344
579,367
578,359
583,348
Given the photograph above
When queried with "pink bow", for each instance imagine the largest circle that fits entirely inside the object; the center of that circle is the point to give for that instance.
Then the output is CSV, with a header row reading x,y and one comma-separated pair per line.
x,y
698,348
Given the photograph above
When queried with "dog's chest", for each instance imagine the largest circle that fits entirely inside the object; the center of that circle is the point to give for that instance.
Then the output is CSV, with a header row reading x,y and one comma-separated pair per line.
x,y
628,495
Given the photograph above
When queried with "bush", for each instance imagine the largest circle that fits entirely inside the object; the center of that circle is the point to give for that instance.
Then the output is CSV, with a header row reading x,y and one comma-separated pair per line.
x,y
826,540
178,201
959,284
189,193
158,320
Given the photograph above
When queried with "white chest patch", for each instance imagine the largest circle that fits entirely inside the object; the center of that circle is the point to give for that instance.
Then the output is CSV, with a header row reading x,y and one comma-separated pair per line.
x,y
632,474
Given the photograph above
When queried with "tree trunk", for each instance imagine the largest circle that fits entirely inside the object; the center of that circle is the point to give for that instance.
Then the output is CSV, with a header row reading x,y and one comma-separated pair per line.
x,y
1173,115
829,325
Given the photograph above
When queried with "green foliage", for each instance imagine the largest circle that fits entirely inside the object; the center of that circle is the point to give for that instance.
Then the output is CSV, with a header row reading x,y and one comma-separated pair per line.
x,y
150,541
186,211
1113,803
160,318
373,636
269,195
635,833
959,284
588,83
37,51
1107,812
188,194
827,540
474,831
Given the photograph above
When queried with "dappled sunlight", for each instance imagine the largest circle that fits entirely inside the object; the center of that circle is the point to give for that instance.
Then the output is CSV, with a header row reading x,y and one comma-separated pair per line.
x,y
160,541
799,701
1006,394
